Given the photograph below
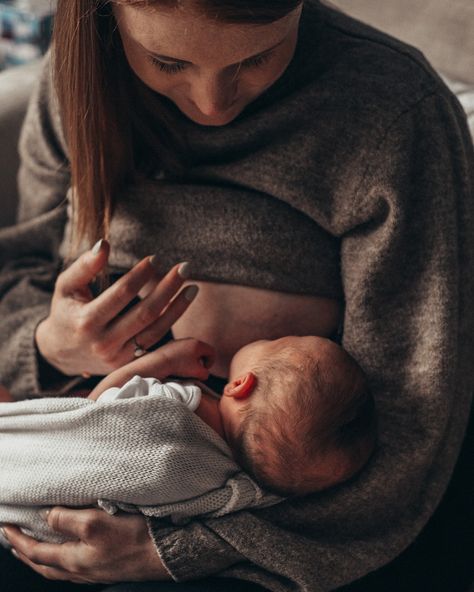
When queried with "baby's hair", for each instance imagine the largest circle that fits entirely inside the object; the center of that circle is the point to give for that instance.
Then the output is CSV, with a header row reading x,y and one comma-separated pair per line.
x,y
312,424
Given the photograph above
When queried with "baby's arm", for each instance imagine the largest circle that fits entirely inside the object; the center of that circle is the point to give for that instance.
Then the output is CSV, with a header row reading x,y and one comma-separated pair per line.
x,y
5,396
188,358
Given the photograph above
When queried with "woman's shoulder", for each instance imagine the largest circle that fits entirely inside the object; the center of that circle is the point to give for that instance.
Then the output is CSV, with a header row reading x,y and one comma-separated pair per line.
x,y
43,114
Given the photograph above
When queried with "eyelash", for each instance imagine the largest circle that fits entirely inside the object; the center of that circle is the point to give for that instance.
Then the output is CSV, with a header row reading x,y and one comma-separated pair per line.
x,y
167,68
254,62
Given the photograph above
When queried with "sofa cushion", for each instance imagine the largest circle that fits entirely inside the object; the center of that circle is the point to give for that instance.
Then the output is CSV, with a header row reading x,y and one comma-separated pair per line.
x,y
442,29
465,94
15,88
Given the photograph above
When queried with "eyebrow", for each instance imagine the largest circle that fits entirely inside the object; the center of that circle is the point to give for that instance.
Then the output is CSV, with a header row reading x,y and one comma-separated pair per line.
x,y
178,61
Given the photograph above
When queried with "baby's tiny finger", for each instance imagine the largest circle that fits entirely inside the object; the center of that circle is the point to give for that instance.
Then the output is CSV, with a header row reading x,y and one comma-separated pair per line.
x,y
206,354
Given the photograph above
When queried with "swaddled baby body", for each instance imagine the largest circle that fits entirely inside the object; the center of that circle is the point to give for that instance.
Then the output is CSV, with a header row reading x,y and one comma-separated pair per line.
x,y
295,418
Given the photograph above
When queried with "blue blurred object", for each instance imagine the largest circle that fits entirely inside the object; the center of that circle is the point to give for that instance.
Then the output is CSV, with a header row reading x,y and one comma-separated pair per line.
x,y
25,30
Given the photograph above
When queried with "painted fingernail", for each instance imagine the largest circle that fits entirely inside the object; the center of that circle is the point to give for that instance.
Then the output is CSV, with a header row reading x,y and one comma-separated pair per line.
x,y
15,554
183,270
154,262
98,245
190,292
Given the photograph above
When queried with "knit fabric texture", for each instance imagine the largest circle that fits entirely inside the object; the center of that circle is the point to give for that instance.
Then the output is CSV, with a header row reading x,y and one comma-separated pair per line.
x,y
139,448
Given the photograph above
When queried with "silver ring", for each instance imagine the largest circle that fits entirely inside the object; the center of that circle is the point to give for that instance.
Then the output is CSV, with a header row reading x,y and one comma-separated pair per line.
x,y
139,350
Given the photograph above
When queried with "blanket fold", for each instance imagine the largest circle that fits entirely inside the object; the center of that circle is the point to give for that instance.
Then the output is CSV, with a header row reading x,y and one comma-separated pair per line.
x,y
150,455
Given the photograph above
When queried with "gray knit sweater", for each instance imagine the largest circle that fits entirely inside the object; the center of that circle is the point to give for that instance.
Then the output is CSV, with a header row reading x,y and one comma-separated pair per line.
x,y
351,177
139,448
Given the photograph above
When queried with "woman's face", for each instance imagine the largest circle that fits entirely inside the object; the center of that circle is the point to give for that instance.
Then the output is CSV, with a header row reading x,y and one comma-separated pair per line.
x,y
210,70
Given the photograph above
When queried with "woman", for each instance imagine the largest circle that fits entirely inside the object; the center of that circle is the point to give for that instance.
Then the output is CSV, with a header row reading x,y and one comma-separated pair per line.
x,y
297,159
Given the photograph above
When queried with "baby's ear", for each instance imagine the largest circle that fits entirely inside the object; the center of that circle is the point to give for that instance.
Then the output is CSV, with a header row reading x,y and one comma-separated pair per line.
x,y
242,387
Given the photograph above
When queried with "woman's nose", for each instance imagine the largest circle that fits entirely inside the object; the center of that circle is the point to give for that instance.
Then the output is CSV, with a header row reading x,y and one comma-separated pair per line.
x,y
214,94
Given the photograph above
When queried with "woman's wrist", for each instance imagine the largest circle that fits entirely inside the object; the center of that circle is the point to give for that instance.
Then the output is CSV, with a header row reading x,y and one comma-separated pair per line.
x,y
43,340
41,343
50,377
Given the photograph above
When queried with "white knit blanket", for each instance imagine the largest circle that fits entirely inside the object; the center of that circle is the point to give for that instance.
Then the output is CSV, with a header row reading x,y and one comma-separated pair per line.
x,y
150,454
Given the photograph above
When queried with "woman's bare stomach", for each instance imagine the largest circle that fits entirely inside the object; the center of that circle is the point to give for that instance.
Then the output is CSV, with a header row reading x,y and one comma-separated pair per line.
x,y
230,316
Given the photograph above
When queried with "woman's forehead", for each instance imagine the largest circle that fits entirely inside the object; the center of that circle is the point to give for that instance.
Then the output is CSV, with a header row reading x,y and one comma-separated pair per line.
x,y
190,36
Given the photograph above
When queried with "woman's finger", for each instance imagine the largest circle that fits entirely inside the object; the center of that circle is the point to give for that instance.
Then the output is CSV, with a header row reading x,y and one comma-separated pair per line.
x,y
77,277
49,572
112,548
35,551
147,311
84,524
116,297
154,332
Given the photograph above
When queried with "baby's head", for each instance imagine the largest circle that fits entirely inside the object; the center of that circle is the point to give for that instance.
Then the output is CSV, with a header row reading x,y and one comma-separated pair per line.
x,y
297,414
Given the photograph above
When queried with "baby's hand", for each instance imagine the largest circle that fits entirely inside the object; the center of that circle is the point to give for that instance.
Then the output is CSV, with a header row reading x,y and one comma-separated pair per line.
x,y
188,358
5,396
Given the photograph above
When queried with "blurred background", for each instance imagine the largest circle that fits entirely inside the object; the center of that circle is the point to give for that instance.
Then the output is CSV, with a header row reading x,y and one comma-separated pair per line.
x,y
25,30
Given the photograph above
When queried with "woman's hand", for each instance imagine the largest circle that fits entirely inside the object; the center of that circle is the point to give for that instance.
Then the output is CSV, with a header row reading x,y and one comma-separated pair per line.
x,y
87,335
185,357
108,548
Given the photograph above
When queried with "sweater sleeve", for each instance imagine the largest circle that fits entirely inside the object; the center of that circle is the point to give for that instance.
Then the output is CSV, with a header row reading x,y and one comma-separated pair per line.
x,y
407,255
29,260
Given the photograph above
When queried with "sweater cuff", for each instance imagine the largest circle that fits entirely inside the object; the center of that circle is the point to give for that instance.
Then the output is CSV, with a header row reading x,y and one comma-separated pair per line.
x,y
27,382
192,552
30,379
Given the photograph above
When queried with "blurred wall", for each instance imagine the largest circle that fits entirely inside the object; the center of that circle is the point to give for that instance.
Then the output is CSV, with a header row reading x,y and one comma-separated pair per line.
x,y
442,29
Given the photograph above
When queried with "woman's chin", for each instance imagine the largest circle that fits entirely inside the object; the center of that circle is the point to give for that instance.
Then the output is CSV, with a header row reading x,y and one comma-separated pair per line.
x,y
212,121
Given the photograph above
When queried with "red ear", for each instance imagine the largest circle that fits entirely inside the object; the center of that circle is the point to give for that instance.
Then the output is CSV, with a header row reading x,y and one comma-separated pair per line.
x,y
241,387
5,396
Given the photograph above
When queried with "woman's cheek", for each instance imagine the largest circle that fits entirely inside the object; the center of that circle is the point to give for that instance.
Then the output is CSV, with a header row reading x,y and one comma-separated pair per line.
x,y
255,83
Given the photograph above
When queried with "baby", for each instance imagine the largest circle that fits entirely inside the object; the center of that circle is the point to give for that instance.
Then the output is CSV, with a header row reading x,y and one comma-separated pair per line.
x,y
296,413
295,418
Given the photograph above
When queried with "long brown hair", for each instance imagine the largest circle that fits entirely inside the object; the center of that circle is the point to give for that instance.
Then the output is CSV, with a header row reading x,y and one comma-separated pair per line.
x,y
95,90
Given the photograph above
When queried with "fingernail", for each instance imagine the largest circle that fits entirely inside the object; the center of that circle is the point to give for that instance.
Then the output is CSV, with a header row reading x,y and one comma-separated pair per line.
x,y
44,513
98,245
183,270
155,262
4,533
15,554
190,292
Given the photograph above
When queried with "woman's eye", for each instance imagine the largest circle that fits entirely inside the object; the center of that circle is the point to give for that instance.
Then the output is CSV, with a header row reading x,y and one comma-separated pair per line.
x,y
257,61
169,68
175,67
